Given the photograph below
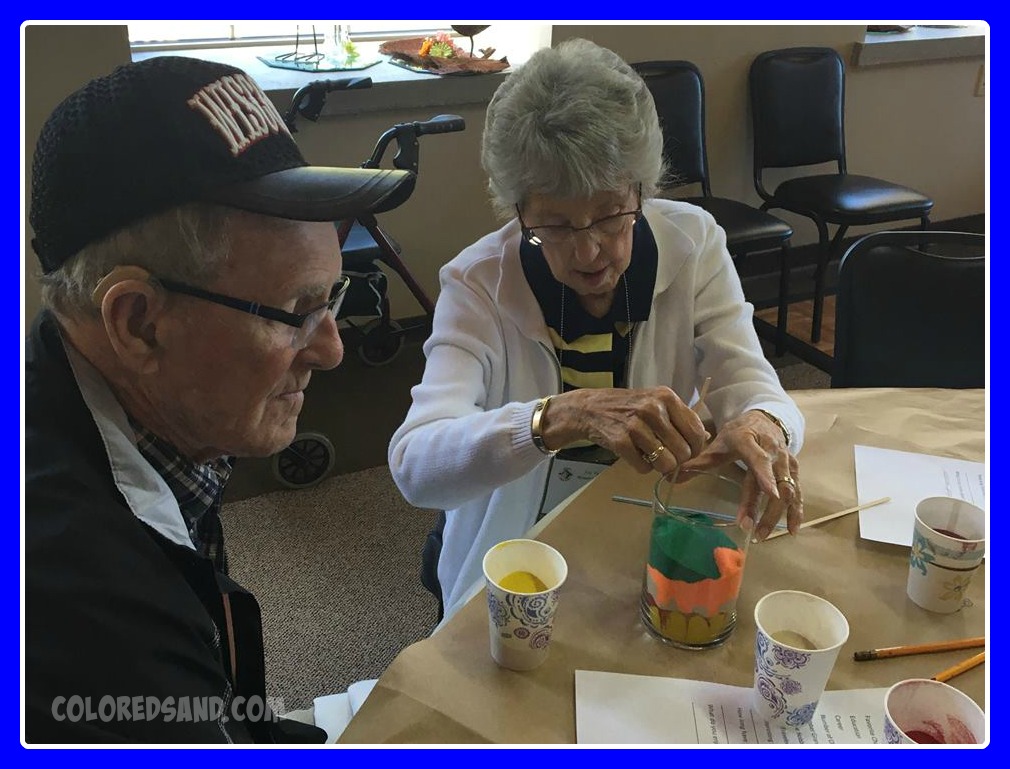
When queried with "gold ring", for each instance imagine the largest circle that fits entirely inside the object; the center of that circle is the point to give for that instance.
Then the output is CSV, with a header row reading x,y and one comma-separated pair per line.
x,y
650,458
786,479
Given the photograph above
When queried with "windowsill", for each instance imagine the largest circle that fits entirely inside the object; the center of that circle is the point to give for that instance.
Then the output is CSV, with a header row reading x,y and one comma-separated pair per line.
x,y
393,87
920,44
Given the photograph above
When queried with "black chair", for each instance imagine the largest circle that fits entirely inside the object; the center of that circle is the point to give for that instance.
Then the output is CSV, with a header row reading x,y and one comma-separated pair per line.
x,y
678,89
797,105
911,311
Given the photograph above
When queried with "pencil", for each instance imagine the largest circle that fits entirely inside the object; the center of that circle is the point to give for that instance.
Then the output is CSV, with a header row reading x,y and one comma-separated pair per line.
x,y
957,670
901,651
839,514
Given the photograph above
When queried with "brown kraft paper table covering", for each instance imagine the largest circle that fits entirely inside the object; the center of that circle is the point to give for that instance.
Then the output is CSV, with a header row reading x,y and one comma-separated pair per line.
x,y
447,689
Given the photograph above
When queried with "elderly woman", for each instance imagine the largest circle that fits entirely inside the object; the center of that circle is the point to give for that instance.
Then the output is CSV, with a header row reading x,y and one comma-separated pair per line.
x,y
592,317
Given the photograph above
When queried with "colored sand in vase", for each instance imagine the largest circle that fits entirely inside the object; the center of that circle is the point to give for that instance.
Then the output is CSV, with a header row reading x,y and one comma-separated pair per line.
x,y
692,581
691,629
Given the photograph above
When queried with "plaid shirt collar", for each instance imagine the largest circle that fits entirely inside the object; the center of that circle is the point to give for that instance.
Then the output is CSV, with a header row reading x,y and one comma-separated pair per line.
x,y
198,488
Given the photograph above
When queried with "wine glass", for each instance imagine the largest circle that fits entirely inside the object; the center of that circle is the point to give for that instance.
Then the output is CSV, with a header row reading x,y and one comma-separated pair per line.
x,y
469,30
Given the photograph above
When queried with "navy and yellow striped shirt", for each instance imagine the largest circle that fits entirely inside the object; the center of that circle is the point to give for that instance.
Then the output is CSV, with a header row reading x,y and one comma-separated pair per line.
x,y
594,351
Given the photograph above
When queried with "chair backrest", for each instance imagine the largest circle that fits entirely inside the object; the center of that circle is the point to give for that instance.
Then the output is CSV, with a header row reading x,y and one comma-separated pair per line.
x,y
797,106
679,92
911,311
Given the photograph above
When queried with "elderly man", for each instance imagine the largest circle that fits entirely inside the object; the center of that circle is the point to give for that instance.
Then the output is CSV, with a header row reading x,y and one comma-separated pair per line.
x,y
192,277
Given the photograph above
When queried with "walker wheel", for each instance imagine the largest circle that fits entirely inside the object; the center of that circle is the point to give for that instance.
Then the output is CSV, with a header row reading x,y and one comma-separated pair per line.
x,y
380,343
304,463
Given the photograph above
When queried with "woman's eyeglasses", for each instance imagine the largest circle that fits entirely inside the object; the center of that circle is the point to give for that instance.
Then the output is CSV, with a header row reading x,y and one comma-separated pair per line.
x,y
564,235
302,324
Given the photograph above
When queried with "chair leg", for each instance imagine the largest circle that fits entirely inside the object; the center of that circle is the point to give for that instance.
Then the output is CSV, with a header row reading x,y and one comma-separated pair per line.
x,y
823,251
782,323
924,228
822,268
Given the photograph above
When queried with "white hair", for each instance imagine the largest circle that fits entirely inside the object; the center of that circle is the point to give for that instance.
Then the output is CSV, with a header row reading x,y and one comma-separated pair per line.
x,y
573,121
189,244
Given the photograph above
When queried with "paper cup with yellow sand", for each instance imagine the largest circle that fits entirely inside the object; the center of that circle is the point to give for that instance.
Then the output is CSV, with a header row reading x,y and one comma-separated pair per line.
x,y
524,579
696,559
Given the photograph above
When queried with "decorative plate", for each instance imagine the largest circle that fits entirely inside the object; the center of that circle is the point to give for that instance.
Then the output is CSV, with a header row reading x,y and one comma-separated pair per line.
x,y
405,53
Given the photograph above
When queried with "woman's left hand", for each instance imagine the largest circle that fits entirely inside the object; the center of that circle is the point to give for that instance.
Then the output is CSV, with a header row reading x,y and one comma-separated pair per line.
x,y
756,440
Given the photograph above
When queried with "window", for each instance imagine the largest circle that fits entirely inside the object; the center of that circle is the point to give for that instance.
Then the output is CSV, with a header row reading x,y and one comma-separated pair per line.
x,y
897,44
516,40
153,35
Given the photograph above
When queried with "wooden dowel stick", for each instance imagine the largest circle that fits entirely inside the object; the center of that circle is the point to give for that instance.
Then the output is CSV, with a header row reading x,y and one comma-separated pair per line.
x,y
701,395
839,514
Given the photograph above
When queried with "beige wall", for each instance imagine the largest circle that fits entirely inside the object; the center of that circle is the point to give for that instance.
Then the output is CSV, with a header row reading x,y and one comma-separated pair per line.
x,y
917,124
920,125
58,60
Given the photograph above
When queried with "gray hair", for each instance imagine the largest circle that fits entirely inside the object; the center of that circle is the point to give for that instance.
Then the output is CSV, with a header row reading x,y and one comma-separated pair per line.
x,y
189,244
573,121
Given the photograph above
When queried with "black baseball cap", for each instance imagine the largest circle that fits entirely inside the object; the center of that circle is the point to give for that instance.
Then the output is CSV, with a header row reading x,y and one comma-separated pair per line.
x,y
171,130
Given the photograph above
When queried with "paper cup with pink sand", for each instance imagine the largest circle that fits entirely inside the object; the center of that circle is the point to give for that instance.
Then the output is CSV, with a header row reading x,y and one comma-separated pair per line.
x,y
920,711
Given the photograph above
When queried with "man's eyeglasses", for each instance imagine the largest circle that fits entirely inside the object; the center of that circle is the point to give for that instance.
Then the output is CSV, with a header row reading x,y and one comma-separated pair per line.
x,y
564,235
302,324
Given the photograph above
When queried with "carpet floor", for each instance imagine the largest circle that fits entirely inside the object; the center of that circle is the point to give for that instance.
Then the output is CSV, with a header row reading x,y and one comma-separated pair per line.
x,y
335,568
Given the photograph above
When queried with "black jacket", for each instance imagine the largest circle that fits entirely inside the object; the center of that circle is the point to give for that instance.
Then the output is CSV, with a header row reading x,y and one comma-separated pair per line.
x,y
114,610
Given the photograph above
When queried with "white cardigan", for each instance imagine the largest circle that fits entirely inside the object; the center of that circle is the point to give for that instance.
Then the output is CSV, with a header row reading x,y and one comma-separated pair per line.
x,y
465,445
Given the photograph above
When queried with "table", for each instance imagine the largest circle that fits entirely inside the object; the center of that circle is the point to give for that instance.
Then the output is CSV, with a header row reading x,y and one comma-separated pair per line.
x,y
447,689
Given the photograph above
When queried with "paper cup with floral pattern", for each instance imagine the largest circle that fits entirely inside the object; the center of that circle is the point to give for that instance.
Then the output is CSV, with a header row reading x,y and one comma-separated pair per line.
x,y
924,712
948,545
798,639
524,579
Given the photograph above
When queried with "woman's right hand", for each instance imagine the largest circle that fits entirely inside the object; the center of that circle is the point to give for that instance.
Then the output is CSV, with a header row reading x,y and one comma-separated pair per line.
x,y
633,424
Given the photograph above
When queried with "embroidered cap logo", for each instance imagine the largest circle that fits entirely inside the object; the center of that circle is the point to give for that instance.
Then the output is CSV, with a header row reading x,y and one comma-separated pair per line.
x,y
239,111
